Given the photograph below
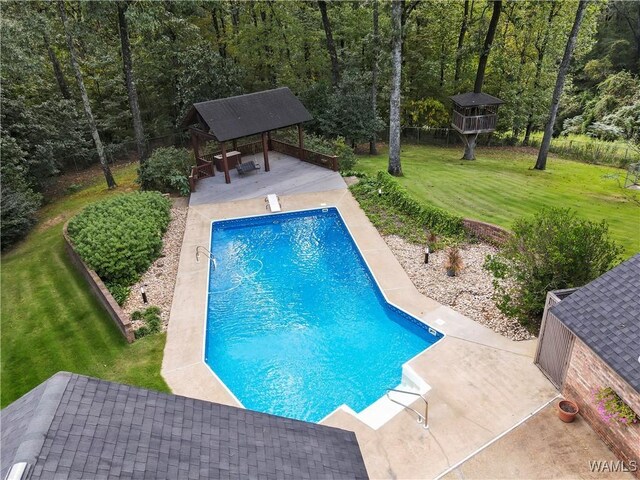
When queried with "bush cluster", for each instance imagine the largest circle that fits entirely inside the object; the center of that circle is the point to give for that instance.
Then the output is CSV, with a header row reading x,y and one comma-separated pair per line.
x,y
552,250
383,188
167,170
120,237
152,321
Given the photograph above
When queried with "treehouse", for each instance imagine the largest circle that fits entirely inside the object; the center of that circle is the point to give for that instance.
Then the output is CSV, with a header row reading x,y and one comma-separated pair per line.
x,y
475,113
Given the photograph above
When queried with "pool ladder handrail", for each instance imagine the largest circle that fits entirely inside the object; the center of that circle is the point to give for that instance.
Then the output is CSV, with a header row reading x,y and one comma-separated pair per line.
x,y
208,254
424,419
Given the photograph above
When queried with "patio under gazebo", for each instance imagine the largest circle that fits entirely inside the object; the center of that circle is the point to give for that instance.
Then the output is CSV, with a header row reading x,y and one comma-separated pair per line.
x,y
230,119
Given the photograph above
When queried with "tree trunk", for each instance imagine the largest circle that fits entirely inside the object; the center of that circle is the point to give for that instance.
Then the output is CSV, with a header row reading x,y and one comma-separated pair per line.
x,y
111,183
373,149
541,162
470,146
542,48
127,65
488,41
395,167
331,46
463,32
57,70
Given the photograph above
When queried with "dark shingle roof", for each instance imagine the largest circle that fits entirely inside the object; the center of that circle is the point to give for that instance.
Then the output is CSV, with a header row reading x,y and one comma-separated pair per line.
x,y
471,99
605,315
244,115
73,426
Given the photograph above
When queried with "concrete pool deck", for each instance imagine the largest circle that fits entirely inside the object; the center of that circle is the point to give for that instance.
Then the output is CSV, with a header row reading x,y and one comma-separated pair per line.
x,y
482,384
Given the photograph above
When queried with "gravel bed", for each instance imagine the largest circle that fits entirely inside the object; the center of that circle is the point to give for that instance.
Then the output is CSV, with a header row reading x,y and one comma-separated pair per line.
x,y
470,292
160,279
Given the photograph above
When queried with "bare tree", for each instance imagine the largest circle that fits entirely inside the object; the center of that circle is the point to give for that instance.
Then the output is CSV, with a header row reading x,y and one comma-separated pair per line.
x,y
373,149
55,64
331,46
541,162
395,167
488,42
127,65
461,35
111,183
541,48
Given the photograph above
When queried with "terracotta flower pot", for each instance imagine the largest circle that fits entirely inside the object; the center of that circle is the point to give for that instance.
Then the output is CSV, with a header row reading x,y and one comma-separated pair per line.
x,y
567,410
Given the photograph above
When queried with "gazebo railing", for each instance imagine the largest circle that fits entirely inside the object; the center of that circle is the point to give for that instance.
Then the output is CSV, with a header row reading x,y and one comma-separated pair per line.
x,y
476,123
309,156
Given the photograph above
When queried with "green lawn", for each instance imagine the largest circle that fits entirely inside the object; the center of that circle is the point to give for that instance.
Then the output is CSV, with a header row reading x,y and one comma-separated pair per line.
x,y
500,186
49,319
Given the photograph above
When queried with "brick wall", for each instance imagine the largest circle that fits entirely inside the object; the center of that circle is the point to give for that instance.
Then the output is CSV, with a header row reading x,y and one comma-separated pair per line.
x,y
486,231
99,290
588,372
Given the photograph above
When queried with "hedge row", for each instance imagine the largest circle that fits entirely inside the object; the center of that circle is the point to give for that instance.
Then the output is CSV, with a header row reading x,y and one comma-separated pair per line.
x,y
120,237
388,190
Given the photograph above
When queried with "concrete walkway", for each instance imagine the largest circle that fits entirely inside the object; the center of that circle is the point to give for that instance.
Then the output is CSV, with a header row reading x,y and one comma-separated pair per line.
x,y
542,447
482,383
288,176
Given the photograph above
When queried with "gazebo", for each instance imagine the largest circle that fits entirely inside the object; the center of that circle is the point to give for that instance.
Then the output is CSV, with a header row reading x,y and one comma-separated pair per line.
x,y
232,118
473,114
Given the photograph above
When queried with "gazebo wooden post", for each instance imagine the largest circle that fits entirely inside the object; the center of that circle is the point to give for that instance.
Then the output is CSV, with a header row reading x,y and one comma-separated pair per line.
x,y
265,151
195,144
227,178
269,140
300,141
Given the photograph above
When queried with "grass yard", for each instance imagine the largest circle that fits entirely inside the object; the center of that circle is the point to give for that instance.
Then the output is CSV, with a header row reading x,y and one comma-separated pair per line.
x,y
49,319
501,186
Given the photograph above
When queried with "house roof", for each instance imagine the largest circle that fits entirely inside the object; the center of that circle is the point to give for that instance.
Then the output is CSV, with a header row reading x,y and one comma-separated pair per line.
x,y
244,115
72,426
471,99
605,315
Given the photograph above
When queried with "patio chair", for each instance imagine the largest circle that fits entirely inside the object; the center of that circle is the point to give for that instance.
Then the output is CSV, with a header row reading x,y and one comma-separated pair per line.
x,y
248,166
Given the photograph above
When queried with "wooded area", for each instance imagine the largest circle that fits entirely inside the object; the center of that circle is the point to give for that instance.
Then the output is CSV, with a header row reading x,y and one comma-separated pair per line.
x,y
141,65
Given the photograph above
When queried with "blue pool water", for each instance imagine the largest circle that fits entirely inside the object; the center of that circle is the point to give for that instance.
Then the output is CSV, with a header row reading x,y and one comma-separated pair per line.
x,y
296,324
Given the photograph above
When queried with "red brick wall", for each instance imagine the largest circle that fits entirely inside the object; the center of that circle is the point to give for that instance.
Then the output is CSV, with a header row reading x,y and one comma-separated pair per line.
x,y
586,373
486,231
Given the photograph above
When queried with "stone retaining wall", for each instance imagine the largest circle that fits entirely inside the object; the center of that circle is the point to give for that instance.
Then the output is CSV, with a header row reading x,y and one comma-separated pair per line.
x,y
588,372
486,232
99,290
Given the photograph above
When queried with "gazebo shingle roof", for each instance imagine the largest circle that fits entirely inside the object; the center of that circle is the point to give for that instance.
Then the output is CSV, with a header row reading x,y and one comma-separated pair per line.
x,y
605,315
244,115
72,426
471,99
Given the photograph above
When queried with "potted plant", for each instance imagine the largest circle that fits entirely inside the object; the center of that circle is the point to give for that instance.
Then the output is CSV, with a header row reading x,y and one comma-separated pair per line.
x,y
453,261
567,410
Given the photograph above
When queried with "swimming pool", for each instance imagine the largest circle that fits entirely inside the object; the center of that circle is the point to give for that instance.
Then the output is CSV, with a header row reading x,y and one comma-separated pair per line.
x,y
296,324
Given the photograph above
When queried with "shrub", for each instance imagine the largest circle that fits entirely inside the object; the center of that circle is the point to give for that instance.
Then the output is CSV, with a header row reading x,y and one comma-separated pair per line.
x,y
384,188
552,250
346,158
119,292
152,320
120,237
166,170
18,214
611,407
18,203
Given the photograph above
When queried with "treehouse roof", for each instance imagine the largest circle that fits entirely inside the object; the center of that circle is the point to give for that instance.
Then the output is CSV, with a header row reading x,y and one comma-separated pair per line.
x,y
244,115
471,99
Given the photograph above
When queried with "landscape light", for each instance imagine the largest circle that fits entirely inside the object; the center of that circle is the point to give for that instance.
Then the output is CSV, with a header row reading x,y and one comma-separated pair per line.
x,y
144,293
426,254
